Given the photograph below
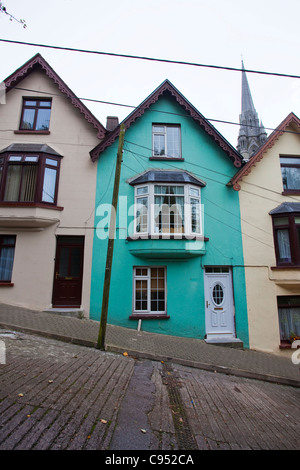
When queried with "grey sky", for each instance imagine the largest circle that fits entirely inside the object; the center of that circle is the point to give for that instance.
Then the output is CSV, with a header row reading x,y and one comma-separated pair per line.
x,y
219,32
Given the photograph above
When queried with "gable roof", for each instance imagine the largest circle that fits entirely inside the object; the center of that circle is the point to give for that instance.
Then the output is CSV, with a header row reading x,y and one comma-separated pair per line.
x,y
246,169
168,88
38,62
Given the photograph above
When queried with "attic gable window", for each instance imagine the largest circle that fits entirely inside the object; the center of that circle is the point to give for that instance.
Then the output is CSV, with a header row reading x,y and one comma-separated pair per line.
x,y
35,114
166,141
290,170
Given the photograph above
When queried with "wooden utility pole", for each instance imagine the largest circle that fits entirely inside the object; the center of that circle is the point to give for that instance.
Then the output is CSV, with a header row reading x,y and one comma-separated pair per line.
x,y
110,246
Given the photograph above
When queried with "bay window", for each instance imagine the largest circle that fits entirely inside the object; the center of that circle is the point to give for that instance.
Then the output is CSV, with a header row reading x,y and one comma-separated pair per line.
x,y
287,239
29,178
167,209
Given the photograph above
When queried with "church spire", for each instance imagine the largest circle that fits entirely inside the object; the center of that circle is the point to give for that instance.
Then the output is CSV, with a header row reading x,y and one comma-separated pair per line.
x,y
252,133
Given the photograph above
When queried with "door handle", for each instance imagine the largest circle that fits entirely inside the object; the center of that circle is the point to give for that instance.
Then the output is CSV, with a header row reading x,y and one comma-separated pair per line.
x,y
207,304
56,275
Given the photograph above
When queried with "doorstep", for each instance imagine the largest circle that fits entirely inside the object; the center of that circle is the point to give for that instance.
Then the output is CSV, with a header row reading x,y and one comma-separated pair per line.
x,y
68,312
230,342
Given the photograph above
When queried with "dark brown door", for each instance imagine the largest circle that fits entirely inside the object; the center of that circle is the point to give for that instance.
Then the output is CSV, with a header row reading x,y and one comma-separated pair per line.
x,y
67,285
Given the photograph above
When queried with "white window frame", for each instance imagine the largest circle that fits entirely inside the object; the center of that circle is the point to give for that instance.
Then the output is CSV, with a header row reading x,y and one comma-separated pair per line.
x,y
149,194
163,133
147,277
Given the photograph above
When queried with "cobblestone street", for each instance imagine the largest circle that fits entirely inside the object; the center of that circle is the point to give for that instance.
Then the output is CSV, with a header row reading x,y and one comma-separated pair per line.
x,y
55,395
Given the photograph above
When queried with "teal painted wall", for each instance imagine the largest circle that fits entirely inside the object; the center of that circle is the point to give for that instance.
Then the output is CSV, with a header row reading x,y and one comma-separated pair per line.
x,y
185,277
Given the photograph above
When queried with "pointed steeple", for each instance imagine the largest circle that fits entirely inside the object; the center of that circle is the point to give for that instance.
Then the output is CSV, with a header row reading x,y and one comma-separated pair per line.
x,y
247,102
252,133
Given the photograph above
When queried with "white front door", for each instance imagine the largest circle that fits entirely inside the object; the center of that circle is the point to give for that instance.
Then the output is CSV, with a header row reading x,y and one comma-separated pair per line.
x,y
219,308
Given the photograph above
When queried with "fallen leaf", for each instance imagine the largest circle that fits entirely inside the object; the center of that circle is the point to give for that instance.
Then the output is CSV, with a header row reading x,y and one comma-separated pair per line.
x,y
143,430
103,421
125,353
21,395
50,381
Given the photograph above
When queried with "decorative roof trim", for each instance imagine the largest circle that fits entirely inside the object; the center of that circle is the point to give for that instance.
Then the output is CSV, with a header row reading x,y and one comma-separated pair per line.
x,y
167,87
290,119
38,61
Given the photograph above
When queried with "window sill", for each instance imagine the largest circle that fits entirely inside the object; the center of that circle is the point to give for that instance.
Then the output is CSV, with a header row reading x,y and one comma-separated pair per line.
x,y
290,191
6,284
149,316
31,204
277,268
158,236
25,131
167,159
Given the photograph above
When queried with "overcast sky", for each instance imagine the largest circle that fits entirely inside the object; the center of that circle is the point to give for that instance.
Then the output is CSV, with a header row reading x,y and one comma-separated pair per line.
x,y
265,33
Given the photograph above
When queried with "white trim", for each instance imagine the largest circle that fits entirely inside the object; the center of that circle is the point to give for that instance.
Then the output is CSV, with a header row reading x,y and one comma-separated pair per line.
x,y
187,216
147,277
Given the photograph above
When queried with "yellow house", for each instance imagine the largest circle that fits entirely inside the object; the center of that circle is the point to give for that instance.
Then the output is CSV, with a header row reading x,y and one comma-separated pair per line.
x,y
47,191
269,190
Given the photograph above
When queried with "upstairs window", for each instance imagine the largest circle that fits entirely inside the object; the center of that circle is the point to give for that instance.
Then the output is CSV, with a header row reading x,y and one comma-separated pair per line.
x,y
29,178
290,170
168,209
35,115
287,239
166,141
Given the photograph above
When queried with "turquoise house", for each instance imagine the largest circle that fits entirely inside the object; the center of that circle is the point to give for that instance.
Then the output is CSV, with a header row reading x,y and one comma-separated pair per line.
x,y
178,265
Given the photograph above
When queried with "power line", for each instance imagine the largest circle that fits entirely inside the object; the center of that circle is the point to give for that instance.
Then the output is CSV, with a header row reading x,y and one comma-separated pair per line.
x,y
152,59
220,121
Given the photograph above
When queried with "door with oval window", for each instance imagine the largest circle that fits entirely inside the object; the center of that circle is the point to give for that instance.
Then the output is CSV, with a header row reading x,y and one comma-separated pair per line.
x,y
219,307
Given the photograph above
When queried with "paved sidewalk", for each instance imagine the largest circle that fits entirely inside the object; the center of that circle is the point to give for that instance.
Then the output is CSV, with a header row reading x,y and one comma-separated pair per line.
x,y
185,351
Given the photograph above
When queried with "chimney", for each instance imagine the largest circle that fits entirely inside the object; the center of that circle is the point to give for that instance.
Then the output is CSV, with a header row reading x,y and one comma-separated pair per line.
x,y
112,122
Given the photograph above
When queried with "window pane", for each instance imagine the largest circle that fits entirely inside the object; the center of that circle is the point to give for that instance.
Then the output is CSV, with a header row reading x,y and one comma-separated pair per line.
x,y
64,261
49,185
141,295
195,215
169,214
284,245
289,322
143,190
43,119
290,178
13,180
159,144
173,142
157,290
281,221
28,183
28,119
142,215
75,268
7,250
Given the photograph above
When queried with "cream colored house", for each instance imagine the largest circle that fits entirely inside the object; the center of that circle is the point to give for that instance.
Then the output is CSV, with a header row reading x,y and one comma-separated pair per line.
x,y
47,191
269,190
